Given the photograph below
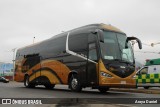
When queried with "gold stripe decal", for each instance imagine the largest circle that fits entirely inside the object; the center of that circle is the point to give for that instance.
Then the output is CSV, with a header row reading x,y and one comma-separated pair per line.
x,y
52,78
58,69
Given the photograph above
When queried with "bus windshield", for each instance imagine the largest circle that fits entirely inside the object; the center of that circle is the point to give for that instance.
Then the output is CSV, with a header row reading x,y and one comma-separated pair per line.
x,y
113,47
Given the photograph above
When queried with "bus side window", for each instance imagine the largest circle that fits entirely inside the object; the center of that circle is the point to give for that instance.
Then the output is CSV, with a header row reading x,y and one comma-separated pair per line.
x,y
92,52
78,43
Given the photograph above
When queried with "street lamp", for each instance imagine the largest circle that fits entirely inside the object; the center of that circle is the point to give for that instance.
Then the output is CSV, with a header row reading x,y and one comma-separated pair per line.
x,y
34,39
13,50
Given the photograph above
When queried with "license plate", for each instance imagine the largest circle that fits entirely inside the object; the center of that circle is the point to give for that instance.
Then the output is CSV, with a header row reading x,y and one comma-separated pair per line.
x,y
123,82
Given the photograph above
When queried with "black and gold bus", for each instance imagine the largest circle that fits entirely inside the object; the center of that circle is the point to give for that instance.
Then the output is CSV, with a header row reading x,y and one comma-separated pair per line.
x,y
97,55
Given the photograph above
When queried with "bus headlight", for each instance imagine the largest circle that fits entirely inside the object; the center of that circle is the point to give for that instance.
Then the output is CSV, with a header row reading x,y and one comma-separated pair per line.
x,y
106,75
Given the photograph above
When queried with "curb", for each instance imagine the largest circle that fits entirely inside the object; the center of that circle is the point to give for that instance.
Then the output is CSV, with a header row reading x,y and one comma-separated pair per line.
x,y
136,90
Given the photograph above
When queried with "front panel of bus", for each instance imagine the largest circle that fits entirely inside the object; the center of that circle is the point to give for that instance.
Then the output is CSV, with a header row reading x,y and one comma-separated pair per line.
x,y
116,65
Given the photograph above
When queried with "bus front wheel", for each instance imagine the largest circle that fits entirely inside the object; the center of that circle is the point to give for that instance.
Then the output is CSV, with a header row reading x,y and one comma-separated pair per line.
x,y
27,83
74,83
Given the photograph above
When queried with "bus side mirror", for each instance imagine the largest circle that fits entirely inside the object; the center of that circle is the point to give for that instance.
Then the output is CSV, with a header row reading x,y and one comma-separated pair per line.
x,y
134,38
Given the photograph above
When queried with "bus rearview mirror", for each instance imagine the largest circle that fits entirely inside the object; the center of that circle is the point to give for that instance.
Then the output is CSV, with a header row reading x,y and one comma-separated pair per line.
x,y
134,38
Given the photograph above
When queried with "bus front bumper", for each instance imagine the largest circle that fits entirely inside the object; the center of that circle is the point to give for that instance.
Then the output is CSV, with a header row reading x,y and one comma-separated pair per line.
x,y
118,82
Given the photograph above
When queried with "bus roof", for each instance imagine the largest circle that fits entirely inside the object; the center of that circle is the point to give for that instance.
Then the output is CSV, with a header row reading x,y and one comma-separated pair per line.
x,y
111,28
83,28
100,26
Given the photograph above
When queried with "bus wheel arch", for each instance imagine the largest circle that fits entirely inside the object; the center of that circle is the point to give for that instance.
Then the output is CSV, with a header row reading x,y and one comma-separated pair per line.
x,y
74,82
27,82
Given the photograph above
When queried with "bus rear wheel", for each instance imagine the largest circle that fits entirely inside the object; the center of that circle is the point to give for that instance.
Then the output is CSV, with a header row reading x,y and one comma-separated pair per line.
x,y
103,89
27,83
74,83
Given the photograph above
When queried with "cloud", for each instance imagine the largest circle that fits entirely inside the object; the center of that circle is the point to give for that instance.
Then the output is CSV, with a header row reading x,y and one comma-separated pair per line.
x,y
20,21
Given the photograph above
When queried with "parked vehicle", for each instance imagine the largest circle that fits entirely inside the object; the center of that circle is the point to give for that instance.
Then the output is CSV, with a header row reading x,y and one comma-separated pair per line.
x,y
2,79
149,75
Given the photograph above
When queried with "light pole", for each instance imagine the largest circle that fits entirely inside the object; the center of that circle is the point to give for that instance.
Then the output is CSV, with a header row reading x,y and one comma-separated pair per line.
x,y
34,39
13,50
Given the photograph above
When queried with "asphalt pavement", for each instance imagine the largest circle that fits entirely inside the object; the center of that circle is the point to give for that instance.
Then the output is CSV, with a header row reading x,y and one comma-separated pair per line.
x,y
17,90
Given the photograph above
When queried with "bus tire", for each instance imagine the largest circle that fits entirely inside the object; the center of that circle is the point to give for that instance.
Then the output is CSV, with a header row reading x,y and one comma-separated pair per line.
x,y
146,87
74,83
49,86
103,89
27,83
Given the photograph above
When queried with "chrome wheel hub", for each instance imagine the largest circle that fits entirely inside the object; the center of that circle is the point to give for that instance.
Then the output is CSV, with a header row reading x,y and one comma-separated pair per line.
x,y
74,83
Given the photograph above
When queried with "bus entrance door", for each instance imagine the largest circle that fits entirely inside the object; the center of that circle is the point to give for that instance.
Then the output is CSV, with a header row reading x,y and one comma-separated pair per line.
x,y
91,66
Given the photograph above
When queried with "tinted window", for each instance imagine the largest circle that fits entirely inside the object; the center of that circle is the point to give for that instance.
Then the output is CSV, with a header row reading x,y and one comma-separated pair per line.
x,y
78,43
92,38
92,51
53,47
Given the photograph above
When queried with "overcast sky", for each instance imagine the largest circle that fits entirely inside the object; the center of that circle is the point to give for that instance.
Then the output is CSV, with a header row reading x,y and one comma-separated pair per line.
x,y
21,20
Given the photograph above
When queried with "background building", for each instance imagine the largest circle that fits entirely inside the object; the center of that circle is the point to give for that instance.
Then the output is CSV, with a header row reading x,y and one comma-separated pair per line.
x,y
6,70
